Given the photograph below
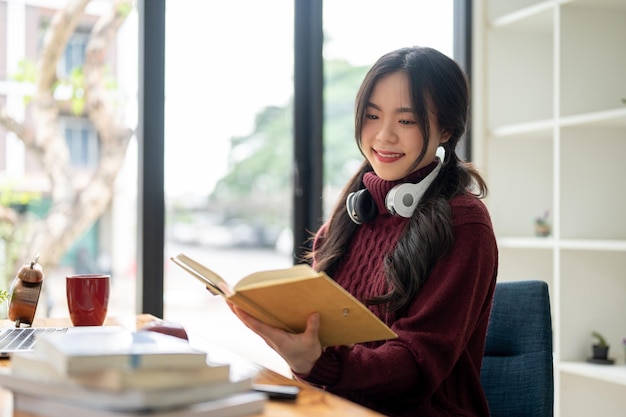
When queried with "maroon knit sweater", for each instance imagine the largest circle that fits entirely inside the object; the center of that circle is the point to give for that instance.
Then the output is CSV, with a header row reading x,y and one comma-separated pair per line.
x,y
433,367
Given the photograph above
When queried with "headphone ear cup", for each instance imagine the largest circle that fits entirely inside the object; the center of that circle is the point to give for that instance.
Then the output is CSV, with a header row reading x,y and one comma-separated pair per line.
x,y
401,200
361,206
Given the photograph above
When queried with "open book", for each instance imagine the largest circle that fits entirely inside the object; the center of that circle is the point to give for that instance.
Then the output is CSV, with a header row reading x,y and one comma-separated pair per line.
x,y
284,298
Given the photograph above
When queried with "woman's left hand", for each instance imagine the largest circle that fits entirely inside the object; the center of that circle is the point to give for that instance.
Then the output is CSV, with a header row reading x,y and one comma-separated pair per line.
x,y
300,350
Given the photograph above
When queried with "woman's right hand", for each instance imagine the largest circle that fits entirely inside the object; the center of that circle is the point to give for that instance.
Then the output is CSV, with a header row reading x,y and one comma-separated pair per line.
x,y
300,350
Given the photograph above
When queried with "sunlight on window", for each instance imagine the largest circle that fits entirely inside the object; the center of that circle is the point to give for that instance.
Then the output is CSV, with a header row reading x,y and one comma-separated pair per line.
x,y
229,134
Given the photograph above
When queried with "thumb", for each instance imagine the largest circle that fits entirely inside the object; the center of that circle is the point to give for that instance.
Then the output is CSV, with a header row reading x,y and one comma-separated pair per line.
x,y
313,325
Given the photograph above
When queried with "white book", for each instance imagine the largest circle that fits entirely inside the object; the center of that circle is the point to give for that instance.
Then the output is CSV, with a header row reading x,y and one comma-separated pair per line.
x,y
235,405
96,348
125,400
33,365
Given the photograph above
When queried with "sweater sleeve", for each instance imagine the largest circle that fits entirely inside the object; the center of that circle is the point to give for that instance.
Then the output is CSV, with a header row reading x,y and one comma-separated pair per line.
x,y
444,325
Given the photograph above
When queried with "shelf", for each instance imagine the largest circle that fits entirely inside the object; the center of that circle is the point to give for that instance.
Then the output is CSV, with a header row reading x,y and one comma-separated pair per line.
x,y
526,242
566,244
602,4
606,118
532,17
596,82
529,99
540,129
543,129
592,205
514,204
550,98
615,374
593,245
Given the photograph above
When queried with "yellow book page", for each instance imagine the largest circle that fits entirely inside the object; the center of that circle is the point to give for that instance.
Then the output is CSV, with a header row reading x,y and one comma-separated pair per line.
x,y
266,278
213,282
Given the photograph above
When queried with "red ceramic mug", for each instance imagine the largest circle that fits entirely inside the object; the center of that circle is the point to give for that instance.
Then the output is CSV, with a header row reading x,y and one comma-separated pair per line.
x,y
88,298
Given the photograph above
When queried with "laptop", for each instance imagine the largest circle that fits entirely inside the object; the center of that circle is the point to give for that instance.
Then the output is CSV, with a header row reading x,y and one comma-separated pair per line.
x,y
22,339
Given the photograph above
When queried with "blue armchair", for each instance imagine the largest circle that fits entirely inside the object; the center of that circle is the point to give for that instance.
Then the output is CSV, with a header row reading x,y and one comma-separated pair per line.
x,y
517,371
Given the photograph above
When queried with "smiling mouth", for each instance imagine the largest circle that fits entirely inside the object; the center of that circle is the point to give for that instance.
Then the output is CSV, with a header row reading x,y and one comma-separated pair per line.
x,y
388,156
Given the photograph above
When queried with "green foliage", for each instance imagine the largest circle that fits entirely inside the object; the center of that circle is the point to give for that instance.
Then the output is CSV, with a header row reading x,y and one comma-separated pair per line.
x,y
76,82
601,341
26,73
10,198
341,153
124,8
261,161
13,236
258,184
72,87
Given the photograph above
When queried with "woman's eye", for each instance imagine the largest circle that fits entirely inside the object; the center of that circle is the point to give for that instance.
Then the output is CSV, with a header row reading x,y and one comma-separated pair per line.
x,y
371,117
406,122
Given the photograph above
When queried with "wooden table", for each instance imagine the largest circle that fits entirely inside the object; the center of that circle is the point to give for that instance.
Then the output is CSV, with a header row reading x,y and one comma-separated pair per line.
x,y
311,401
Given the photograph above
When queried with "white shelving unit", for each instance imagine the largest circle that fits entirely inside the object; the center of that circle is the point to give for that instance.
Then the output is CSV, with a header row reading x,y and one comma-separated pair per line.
x,y
549,134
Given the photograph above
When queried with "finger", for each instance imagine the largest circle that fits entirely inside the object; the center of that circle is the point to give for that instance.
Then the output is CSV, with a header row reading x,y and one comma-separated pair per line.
x,y
252,323
240,313
313,326
231,306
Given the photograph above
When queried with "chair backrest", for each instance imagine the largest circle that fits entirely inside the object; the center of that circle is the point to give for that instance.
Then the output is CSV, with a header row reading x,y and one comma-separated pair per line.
x,y
517,371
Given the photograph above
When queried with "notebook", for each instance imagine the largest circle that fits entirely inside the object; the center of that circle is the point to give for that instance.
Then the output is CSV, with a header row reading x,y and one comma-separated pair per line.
x,y
21,339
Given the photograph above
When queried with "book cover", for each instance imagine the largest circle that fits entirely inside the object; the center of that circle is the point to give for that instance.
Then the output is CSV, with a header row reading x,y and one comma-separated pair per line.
x,y
125,400
234,405
284,298
90,349
33,365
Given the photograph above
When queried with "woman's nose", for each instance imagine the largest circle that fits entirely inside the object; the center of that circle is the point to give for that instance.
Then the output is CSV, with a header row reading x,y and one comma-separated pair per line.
x,y
386,133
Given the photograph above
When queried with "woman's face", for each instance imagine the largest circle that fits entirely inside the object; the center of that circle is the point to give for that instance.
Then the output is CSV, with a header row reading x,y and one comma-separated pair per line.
x,y
391,139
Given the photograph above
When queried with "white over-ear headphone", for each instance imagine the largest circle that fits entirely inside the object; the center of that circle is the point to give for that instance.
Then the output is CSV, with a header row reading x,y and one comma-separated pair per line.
x,y
401,200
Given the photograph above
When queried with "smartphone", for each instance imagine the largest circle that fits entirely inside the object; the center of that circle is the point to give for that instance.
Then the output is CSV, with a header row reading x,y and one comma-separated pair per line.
x,y
278,392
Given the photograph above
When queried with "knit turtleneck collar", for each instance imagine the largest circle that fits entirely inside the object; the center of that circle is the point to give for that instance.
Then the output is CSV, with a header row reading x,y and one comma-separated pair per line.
x,y
379,188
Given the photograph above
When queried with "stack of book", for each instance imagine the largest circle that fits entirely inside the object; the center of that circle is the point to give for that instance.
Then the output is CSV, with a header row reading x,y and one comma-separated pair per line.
x,y
112,372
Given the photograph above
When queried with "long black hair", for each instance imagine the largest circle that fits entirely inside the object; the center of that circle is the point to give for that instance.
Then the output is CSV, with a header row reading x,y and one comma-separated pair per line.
x,y
439,86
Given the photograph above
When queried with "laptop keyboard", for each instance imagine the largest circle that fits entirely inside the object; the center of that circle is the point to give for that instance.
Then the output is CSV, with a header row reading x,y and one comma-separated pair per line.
x,y
23,338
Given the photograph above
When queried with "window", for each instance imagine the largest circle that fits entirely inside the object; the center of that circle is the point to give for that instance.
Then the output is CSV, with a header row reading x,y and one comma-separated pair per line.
x,y
74,55
228,137
228,148
82,142
350,49
101,236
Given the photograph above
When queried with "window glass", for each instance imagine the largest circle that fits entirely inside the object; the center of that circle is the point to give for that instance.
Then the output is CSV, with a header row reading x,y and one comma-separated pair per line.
x,y
228,133
356,34
82,142
74,55
71,203
228,149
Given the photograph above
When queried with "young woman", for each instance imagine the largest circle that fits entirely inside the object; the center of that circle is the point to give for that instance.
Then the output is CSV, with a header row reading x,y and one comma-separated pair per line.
x,y
411,239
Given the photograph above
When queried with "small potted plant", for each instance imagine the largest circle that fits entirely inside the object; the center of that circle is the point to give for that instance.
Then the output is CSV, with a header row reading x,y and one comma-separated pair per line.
x,y
600,349
542,226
